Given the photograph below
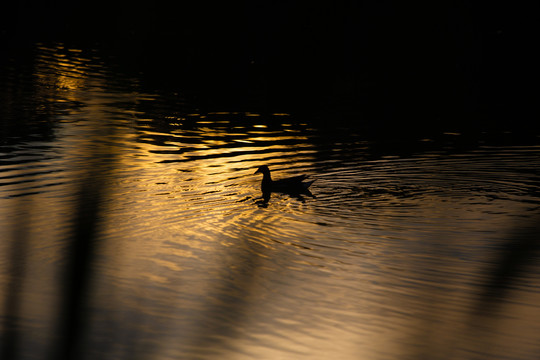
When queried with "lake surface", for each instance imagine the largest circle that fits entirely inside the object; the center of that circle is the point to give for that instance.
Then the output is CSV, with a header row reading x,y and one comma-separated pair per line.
x,y
416,247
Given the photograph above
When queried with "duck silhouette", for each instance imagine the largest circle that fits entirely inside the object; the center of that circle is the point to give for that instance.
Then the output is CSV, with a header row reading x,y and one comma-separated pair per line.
x,y
295,186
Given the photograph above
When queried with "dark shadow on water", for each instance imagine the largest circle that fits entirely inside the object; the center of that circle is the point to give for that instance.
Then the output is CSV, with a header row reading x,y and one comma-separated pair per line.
x,y
18,250
73,320
226,309
497,301
510,267
513,261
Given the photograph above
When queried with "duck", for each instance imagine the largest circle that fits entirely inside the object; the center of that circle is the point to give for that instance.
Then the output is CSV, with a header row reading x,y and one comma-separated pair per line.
x,y
290,185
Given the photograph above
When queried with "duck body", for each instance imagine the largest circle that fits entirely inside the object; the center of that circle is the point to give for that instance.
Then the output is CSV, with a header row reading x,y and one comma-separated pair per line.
x,y
290,185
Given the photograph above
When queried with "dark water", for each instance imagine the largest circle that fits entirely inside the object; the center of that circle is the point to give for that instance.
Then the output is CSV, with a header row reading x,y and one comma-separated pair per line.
x,y
412,248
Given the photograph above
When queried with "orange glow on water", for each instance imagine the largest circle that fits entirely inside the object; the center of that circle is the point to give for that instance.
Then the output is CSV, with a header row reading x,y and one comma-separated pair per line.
x,y
392,249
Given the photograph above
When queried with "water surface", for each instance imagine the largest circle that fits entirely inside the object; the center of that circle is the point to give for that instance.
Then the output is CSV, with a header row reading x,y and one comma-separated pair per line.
x,y
416,247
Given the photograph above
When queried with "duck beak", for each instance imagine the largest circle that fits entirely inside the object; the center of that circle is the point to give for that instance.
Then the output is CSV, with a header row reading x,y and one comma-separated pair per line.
x,y
258,171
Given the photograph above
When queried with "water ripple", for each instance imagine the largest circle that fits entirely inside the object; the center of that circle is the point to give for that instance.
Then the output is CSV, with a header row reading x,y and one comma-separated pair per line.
x,y
394,244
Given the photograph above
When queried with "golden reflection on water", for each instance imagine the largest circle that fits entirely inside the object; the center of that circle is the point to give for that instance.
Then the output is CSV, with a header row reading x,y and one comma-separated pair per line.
x,y
199,214
384,263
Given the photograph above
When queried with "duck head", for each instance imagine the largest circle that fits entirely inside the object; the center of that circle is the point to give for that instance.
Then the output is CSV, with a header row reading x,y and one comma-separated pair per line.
x,y
263,169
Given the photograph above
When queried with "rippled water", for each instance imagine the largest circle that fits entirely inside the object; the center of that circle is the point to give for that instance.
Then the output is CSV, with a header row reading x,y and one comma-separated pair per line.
x,y
392,258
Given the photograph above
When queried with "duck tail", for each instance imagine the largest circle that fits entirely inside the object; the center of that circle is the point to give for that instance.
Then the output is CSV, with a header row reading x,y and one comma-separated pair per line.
x,y
307,184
